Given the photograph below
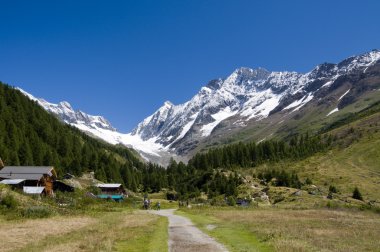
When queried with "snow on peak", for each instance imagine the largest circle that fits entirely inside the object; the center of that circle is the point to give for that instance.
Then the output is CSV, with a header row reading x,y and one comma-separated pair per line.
x,y
99,127
218,117
248,93
67,114
168,104
65,104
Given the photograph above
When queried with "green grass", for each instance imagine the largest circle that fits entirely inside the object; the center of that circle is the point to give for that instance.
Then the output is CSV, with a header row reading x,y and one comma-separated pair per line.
x,y
353,161
150,238
235,236
356,165
272,229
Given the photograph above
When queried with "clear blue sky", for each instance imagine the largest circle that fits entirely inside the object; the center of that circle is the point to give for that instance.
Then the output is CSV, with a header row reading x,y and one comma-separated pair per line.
x,y
123,59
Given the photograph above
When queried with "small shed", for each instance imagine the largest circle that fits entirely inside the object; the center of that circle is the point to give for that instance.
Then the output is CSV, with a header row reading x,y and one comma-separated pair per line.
x,y
34,190
33,176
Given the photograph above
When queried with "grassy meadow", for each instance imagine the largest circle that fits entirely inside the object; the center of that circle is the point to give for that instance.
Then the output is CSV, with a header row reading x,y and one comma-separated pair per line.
x,y
271,229
345,167
122,230
78,223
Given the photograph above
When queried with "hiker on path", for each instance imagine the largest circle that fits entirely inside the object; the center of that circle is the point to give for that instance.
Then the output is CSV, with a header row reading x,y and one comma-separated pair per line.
x,y
146,204
158,206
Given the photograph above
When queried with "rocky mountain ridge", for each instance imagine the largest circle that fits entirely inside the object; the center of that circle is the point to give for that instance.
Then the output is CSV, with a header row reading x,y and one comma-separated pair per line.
x,y
245,99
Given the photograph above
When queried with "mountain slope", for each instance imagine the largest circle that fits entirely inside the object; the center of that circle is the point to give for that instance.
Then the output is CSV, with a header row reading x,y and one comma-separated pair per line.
x,y
354,161
256,99
250,104
31,136
101,128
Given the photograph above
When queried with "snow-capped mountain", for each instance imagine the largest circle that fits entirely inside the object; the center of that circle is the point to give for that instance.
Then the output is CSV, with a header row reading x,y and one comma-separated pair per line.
x,y
99,127
67,114
246,95
247,98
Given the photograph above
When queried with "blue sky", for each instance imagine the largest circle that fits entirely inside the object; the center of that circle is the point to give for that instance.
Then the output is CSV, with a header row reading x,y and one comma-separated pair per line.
x,y
123,59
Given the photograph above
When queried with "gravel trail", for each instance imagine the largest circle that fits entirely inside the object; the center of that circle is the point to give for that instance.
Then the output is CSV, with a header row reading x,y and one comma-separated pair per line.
x,y
185,237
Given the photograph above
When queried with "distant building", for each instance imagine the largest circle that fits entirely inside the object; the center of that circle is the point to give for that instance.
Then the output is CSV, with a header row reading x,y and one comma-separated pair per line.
x,y
34,190
63,186
29,176
111,191
68,176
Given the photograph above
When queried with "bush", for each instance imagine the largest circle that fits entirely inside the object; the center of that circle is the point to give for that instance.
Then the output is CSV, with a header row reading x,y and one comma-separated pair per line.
x,y
333,189
330,195
8,201
231,201
94,190
171,195
36,212
218,201
308,181
356,194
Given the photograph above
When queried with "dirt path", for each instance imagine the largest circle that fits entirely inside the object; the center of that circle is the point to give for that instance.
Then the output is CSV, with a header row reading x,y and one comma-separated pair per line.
x,y
184,236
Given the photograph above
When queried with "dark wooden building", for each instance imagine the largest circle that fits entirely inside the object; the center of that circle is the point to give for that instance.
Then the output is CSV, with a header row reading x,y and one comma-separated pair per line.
x,y
112,191
30,176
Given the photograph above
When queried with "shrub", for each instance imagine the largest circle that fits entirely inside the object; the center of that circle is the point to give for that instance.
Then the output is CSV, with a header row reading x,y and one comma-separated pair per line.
x,y
356,194
218,201
171,195
37,212
231,201
308,181
8,201
94,190
330,195
333,189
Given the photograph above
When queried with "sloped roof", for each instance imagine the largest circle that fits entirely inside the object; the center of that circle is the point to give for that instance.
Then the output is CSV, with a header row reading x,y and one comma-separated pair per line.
x,y
33,189
26,172
108,185
11,181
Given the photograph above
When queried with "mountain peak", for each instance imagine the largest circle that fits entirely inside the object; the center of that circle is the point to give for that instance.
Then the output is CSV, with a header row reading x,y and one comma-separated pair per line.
x,y
66,104
259,72
168,104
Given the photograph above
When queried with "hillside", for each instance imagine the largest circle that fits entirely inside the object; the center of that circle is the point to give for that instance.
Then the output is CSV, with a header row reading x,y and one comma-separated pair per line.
x,y
347,94
305,169
31,136
353,162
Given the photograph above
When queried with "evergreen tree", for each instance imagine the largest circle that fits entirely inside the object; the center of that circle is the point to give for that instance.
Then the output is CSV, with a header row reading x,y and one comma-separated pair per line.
x,y
356,194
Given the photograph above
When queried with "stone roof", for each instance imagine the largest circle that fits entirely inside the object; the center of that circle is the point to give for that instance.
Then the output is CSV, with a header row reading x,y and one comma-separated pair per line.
x,y
27,172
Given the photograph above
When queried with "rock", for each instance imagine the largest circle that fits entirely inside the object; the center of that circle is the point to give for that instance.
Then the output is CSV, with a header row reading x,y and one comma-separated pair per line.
x,y
210,227
264,197
297,193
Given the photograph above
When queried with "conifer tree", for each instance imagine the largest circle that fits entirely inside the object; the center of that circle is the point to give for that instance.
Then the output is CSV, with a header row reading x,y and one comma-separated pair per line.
x,y
356,194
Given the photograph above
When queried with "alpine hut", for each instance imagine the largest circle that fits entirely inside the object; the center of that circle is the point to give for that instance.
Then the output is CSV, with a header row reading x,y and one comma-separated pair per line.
x,y
111,191
30,176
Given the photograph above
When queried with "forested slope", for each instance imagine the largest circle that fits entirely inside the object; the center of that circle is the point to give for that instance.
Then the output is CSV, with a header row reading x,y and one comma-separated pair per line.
x,y
31,136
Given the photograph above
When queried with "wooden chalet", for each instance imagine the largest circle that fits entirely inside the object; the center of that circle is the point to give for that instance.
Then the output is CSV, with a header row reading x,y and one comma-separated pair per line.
x,y
30,176
111,191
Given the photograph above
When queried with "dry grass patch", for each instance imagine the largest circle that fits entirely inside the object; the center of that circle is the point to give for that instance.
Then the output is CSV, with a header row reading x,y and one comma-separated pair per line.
x,y
17,235
102,232
307,230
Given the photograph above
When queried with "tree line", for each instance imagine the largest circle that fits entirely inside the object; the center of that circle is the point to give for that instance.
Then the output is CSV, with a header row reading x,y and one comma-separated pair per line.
x,y
31,136
253,154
